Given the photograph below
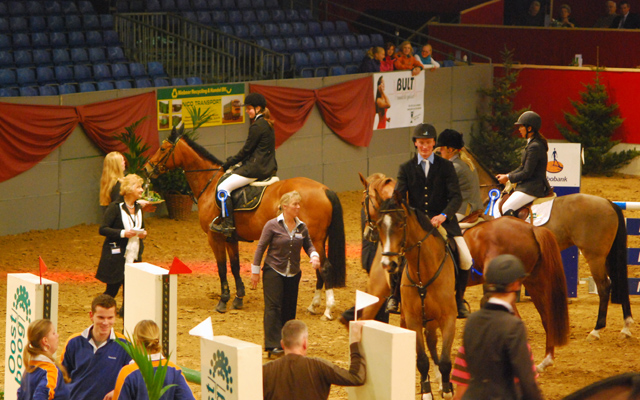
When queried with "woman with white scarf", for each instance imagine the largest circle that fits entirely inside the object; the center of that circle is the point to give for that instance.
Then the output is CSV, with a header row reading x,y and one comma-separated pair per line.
x,y
123,228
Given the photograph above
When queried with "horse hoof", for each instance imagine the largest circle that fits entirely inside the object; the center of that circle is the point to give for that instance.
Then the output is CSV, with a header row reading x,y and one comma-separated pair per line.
x,y
592,337
427,396
238,303
446,395
311,310
221,307
326,317
624,335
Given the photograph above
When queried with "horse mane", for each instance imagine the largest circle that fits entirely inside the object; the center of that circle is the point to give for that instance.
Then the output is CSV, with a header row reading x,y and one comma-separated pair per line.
x,y
200,150
423,219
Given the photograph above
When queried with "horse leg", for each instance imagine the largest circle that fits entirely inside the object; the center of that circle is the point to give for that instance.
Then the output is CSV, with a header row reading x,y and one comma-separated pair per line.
x,y
216,242
423,362
444,365
234,260
598,272
537,293
432,342
317,296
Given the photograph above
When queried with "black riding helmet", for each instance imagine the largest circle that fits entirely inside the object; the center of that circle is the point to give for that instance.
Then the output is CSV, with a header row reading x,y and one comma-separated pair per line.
x,y
424,131
255,100
502,271
450,138
530,118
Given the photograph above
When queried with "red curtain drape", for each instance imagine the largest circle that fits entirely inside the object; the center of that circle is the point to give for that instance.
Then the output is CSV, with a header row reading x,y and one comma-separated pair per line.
x,y
347,108
29,133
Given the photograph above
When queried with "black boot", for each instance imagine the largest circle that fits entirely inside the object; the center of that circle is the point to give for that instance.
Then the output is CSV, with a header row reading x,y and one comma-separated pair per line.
x,y
393,302
509,213
223,225
461,284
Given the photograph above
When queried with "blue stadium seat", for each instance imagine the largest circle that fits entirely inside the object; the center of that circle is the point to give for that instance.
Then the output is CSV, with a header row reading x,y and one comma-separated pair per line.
x,y
44,76
3,9
82,73
314,28
34,8
93,39
90,22
152,6
377,40
350,41
137,70
301,65
344,57
194,80
136,6
363,41
9,92
248,16
271,4
286,29
330,57
115,54
42,58
352,69
277,15
335,42
219,17
6,59
292,44
26,76
40,40
357,55
199,5
307,43
229,4
328,28
271,30
72,23
23,58
97,55
263,16
262,42
52,7
214,4
105,86
58,40
168,5
79,56
101,72
257,4
21,41
243,4
67,89
278,45
255,31
204,17
291,15
4,26
28,91
106,21
61,57
241,31
5,42
47,90
235,17
85,87
321,42
305,15
190,15
183,5
156,70
342,28
18,24
142,83
63,74
178,82
337,70
76,39
37,23
17,8
85,7
160,82
123,85
120,71
7,78
122,6
68,8
55,23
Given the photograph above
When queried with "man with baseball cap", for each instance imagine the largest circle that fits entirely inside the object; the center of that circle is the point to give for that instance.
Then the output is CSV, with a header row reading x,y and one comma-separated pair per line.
x,y
431,184
495,340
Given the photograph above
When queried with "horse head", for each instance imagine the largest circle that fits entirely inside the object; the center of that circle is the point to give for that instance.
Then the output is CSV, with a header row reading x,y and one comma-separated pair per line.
x,y
162,160
392,224
377,188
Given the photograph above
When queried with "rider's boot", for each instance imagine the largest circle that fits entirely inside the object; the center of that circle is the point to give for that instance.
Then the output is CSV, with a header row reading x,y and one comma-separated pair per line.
x,y
224,224
509,213
393,302
461,285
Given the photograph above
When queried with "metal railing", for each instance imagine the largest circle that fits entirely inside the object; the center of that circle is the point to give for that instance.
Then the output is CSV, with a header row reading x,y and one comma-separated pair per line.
x,y
395,33
186,48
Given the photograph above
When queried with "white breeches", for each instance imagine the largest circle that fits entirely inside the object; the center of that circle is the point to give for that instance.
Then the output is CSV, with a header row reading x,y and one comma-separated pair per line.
x,y
233,182
463,251
517,200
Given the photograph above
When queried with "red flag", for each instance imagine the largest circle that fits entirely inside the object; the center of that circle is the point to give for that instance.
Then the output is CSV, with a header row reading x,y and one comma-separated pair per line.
x,y
43,268
178,267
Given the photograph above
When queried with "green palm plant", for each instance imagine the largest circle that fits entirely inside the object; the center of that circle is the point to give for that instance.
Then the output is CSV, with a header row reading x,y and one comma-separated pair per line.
x,y
135,148
153,380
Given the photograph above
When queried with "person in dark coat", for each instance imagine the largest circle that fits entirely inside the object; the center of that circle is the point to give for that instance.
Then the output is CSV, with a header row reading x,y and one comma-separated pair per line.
x,y
371,61
495,340
626,19
531,175
123,229
431,183
257,158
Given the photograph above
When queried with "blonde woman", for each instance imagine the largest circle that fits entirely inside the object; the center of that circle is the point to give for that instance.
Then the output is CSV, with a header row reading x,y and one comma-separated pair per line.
x,y
282,237
371,61
123,229
131,386
112,171
44,378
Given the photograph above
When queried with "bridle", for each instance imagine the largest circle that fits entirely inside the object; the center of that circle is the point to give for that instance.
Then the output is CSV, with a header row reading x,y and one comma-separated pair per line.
x,y
371,229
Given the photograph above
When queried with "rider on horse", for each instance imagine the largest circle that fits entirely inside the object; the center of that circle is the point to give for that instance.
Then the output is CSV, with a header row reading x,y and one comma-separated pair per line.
x,y
531,175
258,157
432,185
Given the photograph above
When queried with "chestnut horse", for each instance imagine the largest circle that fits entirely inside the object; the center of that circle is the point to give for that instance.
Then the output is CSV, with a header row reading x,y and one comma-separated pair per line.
x,y
536,247
596,226
321,212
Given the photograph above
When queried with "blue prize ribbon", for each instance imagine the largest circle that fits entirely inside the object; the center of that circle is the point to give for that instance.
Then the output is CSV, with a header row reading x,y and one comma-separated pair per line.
x,y
222,196
494,195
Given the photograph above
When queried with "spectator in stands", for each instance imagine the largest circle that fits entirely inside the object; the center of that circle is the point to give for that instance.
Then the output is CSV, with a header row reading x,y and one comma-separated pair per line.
x,y
626,19
296,376
130,384
426,59
406,61
92,357
44,378
390,57
533,17
565,20
371,61
606,20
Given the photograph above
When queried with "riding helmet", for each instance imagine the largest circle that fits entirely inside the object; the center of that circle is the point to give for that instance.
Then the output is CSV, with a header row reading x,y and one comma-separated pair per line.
x,y
255,100
450,138
530,118
424,131
502,271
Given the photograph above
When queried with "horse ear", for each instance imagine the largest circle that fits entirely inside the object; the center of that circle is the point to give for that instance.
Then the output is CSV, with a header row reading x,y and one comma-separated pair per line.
x,y
181,132
397,197
363,180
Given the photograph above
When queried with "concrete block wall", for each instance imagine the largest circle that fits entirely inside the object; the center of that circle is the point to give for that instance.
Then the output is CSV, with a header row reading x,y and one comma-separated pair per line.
x,y
62,190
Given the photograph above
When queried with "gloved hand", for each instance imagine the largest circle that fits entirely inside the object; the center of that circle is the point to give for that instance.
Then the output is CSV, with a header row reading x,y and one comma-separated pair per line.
x,y
226,166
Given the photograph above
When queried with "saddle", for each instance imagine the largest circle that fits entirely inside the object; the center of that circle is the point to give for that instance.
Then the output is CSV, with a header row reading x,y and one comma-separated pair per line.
x,y
248,197
525,212
452,248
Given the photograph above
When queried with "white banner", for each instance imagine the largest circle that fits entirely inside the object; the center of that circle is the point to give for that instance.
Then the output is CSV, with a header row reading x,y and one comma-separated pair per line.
x,y
564,164
399,99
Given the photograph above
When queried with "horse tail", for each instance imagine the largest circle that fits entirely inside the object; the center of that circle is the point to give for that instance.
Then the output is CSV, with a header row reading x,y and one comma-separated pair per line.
x,y
335,272
552,271
617,262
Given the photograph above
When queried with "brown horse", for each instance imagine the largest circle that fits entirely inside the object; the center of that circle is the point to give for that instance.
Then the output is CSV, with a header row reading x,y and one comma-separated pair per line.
x,y
535,246
321,212
619,387
596,226
427,285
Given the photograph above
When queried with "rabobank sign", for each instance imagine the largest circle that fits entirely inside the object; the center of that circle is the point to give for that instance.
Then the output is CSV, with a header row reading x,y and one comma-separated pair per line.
x,y
564,166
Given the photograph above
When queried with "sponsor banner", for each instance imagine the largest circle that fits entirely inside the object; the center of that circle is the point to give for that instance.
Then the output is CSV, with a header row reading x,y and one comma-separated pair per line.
x,y
223,101
564,165
399,99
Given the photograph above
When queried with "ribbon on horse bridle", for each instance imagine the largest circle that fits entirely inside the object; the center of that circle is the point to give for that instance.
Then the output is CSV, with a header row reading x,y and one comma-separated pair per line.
x,y
494,195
